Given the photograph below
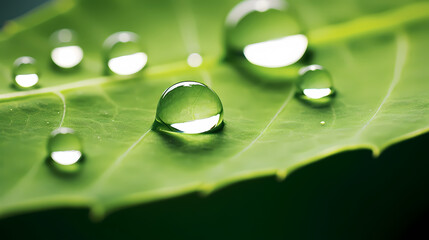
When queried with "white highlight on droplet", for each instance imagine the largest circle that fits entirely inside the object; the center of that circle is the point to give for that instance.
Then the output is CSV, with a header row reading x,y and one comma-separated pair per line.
x,y
309,68
181,84
317,93
197,126
66,157
65,35
278,52
128,64
67,57
27,80
195,60
245,7
262,5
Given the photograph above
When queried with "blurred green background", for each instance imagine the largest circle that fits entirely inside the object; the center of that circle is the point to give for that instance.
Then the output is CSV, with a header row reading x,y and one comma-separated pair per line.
x,y
346,196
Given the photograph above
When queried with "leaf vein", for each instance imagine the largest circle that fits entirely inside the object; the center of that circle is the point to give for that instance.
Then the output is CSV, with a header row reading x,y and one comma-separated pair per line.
x,y
402,49
282,107
63,100
110,170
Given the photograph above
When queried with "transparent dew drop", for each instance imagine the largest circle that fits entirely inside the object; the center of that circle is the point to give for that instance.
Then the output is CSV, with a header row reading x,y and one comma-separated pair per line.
x,y
123,53
66,52
262,35
25,73
315,85
64,147
189,107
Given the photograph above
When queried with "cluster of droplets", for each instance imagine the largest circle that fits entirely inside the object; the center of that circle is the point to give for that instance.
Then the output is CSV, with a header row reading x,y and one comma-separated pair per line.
x,y
263,37
122,53
266,39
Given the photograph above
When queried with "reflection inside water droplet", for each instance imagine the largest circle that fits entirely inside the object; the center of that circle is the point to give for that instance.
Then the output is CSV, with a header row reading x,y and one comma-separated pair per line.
x,y
197,126
64,147
278,52
66,157
194,60
265,34
67,57
123,53
317,93
189,107
66,53
25,73
315,84
128,64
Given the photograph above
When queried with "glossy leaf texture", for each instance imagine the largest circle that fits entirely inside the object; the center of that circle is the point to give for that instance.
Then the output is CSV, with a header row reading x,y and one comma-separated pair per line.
x,y
374,50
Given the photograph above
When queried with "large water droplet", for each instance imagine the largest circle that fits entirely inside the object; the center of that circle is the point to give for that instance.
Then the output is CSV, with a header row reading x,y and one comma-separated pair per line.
x,y
64,147
315,85
265,34
189,107
25,73
66,53
123,53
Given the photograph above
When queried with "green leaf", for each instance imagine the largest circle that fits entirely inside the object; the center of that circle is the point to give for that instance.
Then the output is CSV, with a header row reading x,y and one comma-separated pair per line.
x,y
375,51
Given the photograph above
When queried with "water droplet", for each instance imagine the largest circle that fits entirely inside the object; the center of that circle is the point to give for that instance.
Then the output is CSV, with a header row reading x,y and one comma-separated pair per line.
x,y
195,60
189,107
123,53
66,53
25,73
322,123
315,85
64,147
267,35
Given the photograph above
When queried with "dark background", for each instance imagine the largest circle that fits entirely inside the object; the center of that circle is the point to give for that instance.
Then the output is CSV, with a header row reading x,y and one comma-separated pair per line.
x,y
10,9
346,196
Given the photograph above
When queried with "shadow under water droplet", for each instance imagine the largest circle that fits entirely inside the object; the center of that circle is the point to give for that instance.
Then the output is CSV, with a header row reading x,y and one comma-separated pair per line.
x,y
65,171
258,80
268,76
316,103
191,143
61,70
13,86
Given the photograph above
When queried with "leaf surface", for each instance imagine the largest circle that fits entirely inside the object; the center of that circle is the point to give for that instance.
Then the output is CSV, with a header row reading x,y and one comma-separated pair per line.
x,y
375,50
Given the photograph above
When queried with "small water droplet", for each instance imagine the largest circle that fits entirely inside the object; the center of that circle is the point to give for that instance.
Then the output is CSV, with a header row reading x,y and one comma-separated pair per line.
x,y
66,52
123,53
315,85
195,60
189,107
322,123
267,35
25,73
64,147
